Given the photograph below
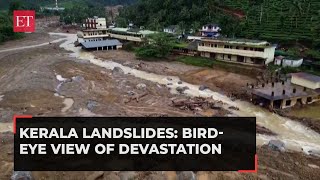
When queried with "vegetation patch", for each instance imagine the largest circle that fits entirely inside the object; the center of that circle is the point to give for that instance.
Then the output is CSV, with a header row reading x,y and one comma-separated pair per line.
x,y
196,61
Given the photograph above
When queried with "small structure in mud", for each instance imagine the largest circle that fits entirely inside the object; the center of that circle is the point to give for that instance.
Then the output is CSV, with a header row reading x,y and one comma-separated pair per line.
x,y
108,44
302,89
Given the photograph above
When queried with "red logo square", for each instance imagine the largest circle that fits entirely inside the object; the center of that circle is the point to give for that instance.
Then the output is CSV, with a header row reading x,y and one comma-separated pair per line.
x,y
24,21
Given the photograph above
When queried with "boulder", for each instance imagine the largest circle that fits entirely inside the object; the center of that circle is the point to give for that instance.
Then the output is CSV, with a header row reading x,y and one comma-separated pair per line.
x,y
117,70
179,82
91,104
203,87
182,89
276,145
21,175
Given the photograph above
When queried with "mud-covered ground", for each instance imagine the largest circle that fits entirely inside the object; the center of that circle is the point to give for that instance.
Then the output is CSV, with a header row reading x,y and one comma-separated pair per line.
x,y
46,81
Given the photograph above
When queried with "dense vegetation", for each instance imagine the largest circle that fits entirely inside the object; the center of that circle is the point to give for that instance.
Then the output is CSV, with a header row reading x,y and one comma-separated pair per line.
x,y
64,3
6,29
158,45
276,20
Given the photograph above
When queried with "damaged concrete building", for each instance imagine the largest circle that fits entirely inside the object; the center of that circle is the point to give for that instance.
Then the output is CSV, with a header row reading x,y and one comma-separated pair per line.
x,y
302,88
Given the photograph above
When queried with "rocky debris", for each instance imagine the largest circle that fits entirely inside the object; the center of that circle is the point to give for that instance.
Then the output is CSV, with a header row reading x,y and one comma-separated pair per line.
x,y
186,175
95,175
91,104
196,103
141,86
136,97
182,89
179,82
203,87
234,108
21,175
169,79
276,145
117,70
127,175
131,93
169,84
263,130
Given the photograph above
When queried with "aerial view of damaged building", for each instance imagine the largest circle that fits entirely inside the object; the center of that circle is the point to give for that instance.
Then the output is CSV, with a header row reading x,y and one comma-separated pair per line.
x,y
301,88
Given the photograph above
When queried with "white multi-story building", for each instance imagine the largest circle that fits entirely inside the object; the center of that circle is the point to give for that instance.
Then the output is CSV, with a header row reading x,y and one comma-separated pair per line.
x,y
210,30
237,50
95,23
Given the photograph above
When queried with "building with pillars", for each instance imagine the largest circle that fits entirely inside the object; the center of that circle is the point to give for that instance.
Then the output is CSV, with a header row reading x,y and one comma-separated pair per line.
x,y
245,51
301,89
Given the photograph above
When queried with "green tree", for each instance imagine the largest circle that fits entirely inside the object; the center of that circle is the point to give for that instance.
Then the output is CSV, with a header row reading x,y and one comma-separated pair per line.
x,y
157,45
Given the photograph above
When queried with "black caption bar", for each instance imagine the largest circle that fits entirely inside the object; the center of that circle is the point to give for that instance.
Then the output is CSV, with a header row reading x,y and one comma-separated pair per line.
x,y
134,144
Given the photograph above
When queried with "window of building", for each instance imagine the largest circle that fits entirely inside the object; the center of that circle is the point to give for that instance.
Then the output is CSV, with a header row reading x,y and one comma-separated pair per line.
x,y
229,56
215,45
211,45
245,48
237,47
288,102
226,46
309,99
202,44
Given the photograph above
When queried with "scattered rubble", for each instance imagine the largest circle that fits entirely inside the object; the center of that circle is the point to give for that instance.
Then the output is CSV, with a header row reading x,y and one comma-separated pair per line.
x,y
131,93
194,103
234,108
141,86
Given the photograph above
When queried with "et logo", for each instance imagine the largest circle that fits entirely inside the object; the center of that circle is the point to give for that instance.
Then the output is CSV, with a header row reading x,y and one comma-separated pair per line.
x,y
23,21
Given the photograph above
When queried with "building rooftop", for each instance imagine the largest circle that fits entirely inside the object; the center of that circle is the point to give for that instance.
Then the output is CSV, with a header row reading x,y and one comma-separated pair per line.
x,y
247,42
306,76
132,31
266,92
94,44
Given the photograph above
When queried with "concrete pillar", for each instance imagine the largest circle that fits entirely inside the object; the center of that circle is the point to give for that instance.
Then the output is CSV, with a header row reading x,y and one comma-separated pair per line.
x,y
102,47
97,48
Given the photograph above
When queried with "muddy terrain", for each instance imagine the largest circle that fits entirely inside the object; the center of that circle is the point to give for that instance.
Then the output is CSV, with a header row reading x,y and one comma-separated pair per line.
x,y
48,80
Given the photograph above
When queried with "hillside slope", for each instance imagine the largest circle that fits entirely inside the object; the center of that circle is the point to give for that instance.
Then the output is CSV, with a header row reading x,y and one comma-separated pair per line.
x,y
278,20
